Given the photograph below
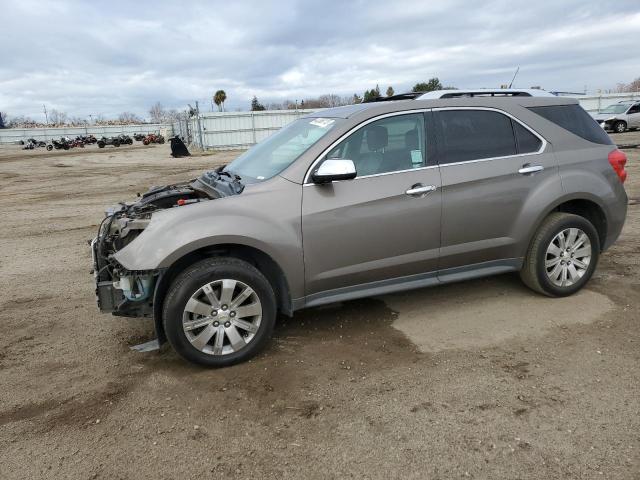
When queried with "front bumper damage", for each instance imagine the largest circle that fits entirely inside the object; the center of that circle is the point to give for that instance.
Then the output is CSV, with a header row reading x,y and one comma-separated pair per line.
x,y
120,292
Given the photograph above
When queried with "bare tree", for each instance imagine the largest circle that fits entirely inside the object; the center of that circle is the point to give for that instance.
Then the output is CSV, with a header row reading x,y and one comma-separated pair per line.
x,y
128,117
76,121
634,86
57,118
157,113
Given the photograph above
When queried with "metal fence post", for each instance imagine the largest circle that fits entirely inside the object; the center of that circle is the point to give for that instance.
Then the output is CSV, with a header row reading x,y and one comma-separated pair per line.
x,y
199,126
253,127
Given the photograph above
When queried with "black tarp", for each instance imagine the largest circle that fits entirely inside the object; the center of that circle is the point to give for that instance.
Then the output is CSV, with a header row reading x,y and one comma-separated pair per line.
x,y
178,148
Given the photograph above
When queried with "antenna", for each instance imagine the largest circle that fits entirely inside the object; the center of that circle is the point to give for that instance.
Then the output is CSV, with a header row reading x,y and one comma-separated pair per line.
x,y
514,76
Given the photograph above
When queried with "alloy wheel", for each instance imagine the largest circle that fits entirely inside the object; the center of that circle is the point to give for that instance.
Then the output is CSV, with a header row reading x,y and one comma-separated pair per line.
x,y
222,317
567,257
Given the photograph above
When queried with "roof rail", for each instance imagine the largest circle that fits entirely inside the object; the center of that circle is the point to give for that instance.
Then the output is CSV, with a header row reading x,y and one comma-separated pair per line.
x,y
399,96
477,92
485,92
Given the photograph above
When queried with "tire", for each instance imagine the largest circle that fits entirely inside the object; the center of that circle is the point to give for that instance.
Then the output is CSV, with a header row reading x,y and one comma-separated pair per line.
x,y
116,143
49,148
66,146
544,260
190,284
101,144
620,126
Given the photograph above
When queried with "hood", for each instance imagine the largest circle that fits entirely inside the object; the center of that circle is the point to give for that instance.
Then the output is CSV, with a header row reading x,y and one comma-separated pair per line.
x,y
603,117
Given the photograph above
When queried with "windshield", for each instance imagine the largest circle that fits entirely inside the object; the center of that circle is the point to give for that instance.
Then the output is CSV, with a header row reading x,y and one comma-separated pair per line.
x,y
271,156
615,108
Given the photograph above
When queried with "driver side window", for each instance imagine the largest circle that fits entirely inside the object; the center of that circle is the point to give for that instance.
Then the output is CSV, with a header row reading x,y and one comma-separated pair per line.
x,y
390,144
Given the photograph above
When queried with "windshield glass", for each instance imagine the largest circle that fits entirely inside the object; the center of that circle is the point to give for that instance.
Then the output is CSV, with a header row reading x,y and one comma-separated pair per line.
x,y
615,108
271,156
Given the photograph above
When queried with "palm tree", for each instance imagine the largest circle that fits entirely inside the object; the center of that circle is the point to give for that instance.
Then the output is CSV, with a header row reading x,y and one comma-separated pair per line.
x,y
219,99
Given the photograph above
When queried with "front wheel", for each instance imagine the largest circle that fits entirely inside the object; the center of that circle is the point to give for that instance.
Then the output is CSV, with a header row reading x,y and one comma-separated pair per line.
x,y
562,255
219,312
619,127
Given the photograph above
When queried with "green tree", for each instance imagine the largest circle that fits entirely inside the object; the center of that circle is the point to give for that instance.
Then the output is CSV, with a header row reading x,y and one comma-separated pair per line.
x,y
371,95
219,98
431,85
390,91
356,98
256,106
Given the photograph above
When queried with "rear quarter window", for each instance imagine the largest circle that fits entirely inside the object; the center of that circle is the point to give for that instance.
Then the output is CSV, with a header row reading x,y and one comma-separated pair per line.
x,y
574,119
527,141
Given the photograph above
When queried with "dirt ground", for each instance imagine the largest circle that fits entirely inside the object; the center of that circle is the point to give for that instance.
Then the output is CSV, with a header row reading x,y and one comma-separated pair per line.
x,y
482,379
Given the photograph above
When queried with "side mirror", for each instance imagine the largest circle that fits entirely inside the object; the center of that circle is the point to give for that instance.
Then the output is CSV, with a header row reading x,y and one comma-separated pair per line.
x,y
334,169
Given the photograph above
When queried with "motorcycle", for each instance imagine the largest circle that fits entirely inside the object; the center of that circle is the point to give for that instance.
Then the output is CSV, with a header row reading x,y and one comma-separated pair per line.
x,y
62,144
153,138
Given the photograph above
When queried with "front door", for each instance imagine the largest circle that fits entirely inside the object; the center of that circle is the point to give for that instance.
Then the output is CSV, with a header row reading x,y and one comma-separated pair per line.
x,y
382,225
633,114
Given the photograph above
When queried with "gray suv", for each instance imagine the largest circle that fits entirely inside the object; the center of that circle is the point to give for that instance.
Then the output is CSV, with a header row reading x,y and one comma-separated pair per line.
x,y
365,200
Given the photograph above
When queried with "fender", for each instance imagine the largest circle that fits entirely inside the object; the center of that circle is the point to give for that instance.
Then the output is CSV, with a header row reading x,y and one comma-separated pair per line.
x,y
264,217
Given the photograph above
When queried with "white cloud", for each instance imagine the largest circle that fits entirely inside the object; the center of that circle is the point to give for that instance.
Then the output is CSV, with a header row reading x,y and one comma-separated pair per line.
x,y
88,58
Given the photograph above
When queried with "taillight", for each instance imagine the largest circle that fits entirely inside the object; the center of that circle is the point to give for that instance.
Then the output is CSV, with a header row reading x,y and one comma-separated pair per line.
x,y
618,160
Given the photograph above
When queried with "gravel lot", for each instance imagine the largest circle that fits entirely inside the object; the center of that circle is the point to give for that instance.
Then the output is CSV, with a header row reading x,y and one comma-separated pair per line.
x,y
482,379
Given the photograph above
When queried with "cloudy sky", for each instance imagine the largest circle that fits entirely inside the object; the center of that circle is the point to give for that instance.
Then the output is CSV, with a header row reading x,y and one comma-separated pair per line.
x,y
108,57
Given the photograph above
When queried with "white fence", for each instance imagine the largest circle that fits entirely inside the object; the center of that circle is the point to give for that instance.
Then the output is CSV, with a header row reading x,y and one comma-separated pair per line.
x,y
593,103
234,130
13,135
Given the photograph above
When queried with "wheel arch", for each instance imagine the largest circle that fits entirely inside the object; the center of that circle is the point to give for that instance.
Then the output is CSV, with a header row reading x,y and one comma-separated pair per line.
x,y
584,205
258,258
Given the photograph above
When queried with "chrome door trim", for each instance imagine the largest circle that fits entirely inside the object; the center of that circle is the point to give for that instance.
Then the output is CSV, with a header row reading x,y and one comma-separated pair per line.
x,y
312,184
541,150
307,176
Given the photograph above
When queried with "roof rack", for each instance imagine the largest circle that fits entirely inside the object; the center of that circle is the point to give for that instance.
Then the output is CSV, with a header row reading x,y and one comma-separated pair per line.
x,y
399,96
486,92
478,92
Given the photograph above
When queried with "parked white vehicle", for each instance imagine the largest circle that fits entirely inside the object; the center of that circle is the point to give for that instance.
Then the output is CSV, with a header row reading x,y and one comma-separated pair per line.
x,y
619,117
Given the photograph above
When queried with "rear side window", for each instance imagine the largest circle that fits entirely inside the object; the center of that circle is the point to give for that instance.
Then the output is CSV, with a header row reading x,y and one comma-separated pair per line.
x,y
527,141
576,120
475,134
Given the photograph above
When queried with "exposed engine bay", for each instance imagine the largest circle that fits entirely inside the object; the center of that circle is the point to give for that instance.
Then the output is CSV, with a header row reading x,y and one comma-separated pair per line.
x,y
129,293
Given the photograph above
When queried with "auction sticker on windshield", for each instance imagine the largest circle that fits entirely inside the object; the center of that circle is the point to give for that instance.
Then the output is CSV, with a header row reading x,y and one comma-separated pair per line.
x,y
322,122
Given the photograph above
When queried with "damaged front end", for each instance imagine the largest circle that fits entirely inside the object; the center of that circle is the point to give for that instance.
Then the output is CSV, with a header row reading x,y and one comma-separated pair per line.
x,y
130,293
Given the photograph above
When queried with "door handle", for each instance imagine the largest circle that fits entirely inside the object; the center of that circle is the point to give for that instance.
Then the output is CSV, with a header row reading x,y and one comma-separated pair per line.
x,y
419,190
527,168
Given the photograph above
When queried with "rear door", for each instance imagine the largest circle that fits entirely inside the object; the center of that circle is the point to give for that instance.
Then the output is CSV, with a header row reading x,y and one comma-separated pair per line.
x,y
385,223
490,165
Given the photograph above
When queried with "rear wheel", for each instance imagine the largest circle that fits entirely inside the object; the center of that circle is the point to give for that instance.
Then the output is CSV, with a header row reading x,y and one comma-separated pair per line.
x,y
562,256
619,126
219,312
